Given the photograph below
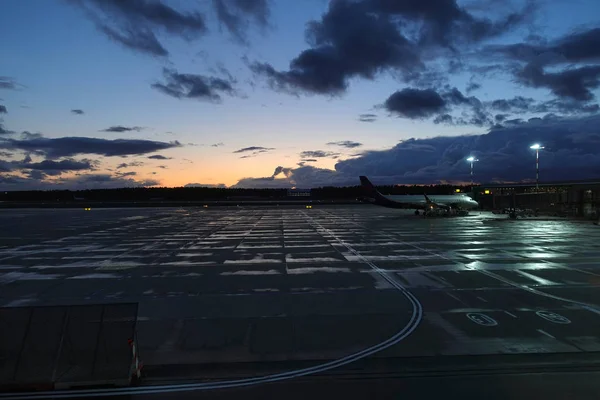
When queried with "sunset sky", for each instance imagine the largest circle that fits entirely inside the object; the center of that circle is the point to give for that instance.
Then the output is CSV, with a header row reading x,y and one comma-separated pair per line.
x,y
259,93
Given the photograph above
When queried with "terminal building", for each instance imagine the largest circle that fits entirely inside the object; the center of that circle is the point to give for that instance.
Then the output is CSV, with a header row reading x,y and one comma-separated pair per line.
x,y
575,198
294,192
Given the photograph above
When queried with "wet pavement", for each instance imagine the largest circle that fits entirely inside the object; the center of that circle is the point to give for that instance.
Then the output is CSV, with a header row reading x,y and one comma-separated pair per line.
x,y
290,284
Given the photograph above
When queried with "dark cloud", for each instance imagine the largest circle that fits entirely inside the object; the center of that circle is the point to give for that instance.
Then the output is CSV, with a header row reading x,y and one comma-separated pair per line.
x,y
163,167
235,15
77,111
346,143
415,103
8,83
472,86
516,104
444,119
139,39
567,66
6,154
367,117
136,23
70,146
573,83
340,51
309,160
220,144
253,149
318,154
3,109
128,173
131,164
30,135
119,129
209,185
575,47
158,157
53,167
572,152
193,86
384,36
4,131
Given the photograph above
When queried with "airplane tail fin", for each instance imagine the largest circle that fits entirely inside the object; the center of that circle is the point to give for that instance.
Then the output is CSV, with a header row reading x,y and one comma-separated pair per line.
x,y
368,187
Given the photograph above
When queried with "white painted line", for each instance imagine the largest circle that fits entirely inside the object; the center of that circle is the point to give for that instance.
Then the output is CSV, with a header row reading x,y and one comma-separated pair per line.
x,y
454,297
511,314
545,333
482,299
592,309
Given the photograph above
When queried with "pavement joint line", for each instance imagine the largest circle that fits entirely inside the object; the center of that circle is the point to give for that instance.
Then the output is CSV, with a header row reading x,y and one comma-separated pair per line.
x,y
591,307
412,324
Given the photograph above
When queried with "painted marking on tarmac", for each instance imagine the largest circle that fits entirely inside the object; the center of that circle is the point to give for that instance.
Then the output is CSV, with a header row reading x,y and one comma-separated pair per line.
x,y
413,323
482,299
482,319
553,317
511,314
456,298
545,333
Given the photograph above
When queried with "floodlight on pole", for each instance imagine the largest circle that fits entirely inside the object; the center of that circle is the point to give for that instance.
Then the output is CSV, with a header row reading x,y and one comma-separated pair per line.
x,y
537,147
472,160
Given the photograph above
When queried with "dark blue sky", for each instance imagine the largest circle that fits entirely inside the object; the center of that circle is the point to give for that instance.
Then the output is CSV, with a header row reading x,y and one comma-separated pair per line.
x,y
105,93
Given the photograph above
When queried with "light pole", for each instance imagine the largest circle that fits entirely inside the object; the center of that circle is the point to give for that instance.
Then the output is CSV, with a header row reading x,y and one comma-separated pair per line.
x,y
537,148
472,160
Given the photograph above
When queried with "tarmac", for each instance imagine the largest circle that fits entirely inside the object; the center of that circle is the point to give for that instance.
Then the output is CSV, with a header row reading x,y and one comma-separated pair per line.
x,y
277,288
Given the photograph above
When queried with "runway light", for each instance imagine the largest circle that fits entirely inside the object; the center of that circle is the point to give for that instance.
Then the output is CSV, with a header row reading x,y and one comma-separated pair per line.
x,y
457,190
308,206
205,206
486,191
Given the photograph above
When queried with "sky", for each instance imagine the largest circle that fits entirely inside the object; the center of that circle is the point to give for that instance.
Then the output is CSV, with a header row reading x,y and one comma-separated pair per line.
x,y
278,93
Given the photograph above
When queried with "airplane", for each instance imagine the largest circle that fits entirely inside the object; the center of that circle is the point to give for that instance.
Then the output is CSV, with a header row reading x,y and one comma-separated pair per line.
x,y
434,205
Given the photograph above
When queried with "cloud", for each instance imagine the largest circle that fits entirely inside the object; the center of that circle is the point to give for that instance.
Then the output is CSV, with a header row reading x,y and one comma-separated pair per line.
x,y
572,151
158,157
345,143
384,37
318,154
36,180
4,131
573,83
472,86
30,135
538,65
309,160
131,164
235,15
6,154
367,117
191,86
3,109
254,149
8,83
516,104
220,144
119,129
128,173
77,111
52,167
208,185
136,23
415,103
70,146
